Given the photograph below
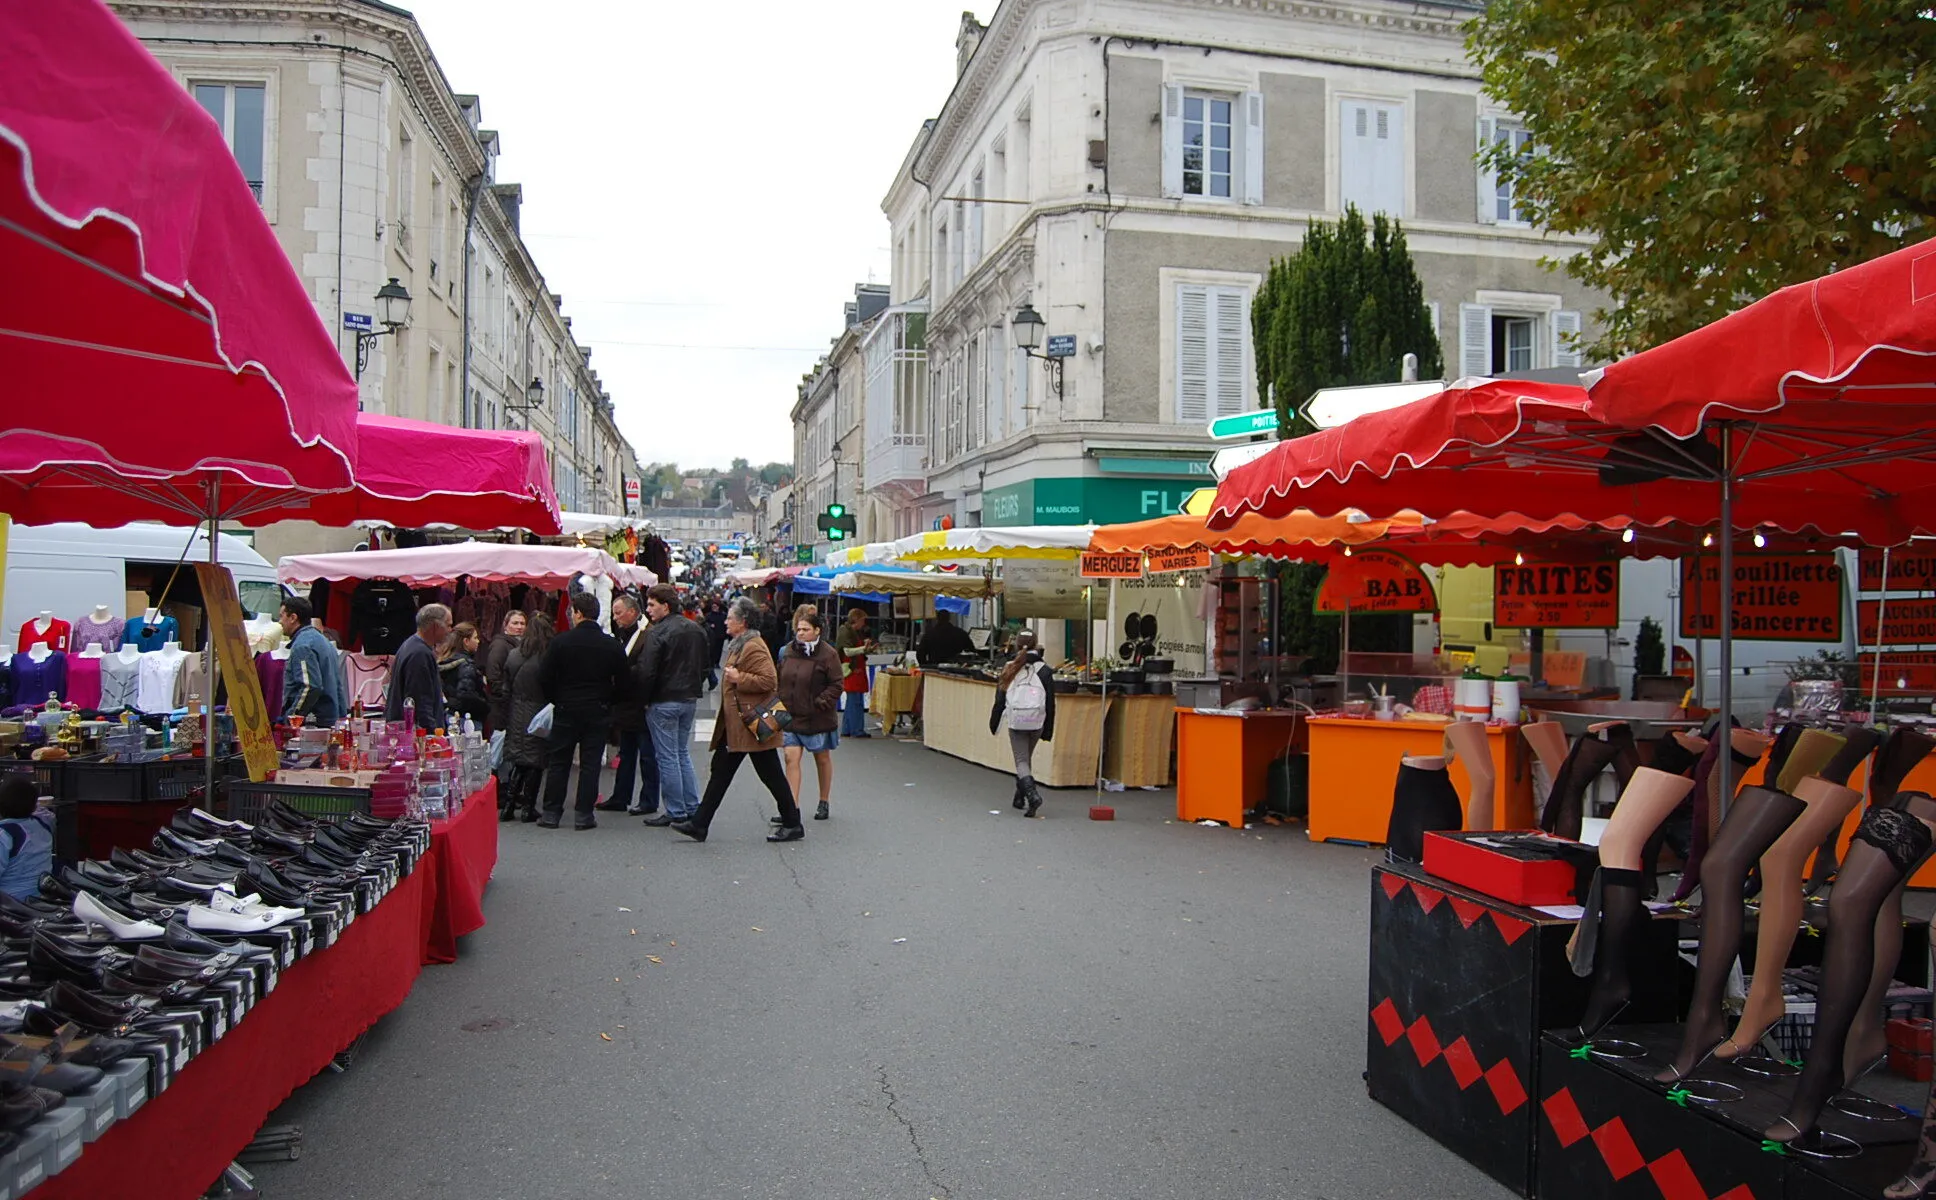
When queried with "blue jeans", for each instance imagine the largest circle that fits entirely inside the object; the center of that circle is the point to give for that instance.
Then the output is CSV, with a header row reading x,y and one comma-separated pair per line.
x,y
671,724
853,720
637,758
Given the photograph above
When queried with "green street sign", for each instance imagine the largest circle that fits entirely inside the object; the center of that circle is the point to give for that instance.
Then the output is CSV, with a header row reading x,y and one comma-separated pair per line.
x,y
804,554
1242,425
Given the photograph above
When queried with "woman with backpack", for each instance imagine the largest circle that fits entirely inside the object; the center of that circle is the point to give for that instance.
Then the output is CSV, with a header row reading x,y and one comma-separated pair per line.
x,y
1026,692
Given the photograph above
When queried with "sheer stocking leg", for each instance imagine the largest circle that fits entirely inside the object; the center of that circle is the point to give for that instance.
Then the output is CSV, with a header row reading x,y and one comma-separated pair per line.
x,y
1757,818
1859,741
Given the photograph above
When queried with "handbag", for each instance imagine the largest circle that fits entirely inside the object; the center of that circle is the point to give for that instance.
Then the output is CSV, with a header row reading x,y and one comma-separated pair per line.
x,y
768,720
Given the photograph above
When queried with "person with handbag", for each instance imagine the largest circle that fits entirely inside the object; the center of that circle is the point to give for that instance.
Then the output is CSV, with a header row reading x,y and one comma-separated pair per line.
x,y
811,687
751,719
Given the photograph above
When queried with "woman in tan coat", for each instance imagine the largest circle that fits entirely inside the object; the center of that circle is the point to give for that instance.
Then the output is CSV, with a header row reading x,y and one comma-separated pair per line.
x,y
749,680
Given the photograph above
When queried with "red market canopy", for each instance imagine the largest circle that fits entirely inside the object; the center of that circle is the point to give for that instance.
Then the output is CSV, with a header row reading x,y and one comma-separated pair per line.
x,y
1539,451
159,344
413,474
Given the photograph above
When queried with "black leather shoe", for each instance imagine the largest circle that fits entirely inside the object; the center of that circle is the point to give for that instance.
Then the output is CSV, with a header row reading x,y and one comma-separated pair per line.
x,y
612,805
787,833
547,822
686,827
587,823
660,820
821,813
776,820
527,815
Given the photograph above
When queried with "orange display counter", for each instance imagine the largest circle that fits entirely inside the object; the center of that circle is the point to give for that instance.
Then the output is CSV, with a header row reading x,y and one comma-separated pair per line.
x,y
1223,759
1922,779
1354,766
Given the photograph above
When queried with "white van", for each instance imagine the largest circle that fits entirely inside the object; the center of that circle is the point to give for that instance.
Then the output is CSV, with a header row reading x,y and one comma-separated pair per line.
x,y
67,569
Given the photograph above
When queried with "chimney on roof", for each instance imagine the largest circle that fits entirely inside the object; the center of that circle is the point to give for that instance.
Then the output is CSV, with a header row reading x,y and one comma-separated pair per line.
x,y
509,197
967,40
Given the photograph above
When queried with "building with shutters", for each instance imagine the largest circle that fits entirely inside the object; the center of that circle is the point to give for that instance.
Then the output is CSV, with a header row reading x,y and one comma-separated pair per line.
x,y
1129,169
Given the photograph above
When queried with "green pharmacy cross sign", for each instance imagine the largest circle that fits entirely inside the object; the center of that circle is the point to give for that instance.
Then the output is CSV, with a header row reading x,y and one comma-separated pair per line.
x,y
1243,425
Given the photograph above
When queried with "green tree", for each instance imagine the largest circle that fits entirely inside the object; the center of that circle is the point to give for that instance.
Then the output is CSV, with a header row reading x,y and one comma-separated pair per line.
x,y
1345,309
1716,151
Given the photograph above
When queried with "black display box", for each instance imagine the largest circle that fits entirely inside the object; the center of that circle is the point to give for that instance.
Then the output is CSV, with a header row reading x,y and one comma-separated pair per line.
x,y
1462,985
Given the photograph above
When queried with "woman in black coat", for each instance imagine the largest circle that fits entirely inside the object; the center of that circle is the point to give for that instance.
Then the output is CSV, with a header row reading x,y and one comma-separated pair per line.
x,y
457,671
524,752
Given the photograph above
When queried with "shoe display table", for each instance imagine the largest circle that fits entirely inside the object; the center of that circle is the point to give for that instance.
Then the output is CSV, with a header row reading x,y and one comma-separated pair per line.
x,y
1462,985
177,1144
463,852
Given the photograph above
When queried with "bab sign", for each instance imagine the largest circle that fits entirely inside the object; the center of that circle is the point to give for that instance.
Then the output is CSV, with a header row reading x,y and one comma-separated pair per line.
x,y
1777,597
1376,581
1556,596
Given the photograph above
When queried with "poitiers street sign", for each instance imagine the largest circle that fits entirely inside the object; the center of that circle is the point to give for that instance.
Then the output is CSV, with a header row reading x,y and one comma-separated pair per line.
x,y
1241,425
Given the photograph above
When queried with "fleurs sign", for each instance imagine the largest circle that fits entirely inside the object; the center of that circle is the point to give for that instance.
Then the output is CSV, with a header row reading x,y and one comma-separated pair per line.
x,y
1538,595
1373,581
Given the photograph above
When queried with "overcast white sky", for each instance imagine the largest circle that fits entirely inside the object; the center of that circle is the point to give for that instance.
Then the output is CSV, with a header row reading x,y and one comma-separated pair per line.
x,y
702,183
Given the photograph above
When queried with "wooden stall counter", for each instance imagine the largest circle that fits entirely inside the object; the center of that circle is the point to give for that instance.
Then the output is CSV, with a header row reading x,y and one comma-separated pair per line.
x,y
1354,765
954,720
1138,734
1223,759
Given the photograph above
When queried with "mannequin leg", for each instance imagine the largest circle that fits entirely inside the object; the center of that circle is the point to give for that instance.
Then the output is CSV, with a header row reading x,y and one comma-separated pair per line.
x,y
1785,739
1758,817
1859,741
1781,906
1567,804
1813,750
1899,755
1866,1041
1548,741
1747,748
1887,848
1920,1181
1605,936
1423,800
1467,742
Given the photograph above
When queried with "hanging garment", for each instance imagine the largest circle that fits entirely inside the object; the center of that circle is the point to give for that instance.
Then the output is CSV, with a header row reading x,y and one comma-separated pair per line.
x,y
34,681
55,637
119,678
383,612
158,688
269,671
84,681
369,675
145,636
105,634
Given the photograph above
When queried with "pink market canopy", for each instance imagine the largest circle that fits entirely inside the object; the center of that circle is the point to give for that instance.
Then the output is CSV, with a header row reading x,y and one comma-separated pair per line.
x,y
163,358
414,474
424,566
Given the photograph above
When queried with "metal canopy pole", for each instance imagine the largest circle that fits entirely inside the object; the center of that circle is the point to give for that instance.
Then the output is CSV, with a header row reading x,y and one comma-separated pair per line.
x,y
1882,614
208,653
1724,761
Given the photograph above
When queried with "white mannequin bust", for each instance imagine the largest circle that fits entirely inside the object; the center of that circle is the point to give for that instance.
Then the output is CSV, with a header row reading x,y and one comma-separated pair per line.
x,y
128,653
94,650
40,652
151,617
171,650
101,615
44,621
280,652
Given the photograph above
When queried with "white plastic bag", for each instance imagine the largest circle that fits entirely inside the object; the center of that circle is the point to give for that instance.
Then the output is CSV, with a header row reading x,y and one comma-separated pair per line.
x,y
540,723
497,749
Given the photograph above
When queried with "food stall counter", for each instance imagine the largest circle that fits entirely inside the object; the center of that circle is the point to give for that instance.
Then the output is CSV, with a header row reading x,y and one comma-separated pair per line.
x,y
1138,735
954,720
1210,742
1354,766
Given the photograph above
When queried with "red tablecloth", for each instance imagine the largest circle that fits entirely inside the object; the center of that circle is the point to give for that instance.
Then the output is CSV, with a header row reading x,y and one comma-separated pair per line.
x,y
180,1142
463,853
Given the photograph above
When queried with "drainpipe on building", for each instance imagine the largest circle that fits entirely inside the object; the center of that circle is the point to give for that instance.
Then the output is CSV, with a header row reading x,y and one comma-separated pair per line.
x,y
476,188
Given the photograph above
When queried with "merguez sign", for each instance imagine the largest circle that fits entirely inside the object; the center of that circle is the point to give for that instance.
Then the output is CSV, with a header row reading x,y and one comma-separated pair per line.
x,y
1538,595
1777,597
1112,566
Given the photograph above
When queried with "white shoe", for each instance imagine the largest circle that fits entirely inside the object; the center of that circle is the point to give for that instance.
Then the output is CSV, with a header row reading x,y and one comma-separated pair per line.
x,y
224,899
203,918
212,819
129,929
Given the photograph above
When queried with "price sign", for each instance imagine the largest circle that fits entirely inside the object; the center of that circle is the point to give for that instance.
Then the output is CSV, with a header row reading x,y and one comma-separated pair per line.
x,y
1904,622
1376,581
1169,561
1112,566
1538,595
1777,597
1909,571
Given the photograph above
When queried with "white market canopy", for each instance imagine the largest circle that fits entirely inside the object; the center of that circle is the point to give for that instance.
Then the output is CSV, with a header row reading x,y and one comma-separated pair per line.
x,y
970,545
915,583
422,566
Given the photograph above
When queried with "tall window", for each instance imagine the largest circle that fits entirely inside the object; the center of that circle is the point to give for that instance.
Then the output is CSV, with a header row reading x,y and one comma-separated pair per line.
x,y
438,235
406,188
1206,145
238,109
1512,343
1212,334
1496,200
1371,157
978,189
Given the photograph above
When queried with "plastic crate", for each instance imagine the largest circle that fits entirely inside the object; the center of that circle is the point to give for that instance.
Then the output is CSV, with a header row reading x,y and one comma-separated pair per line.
x,y
248,801
100,781
1795,1032
180,779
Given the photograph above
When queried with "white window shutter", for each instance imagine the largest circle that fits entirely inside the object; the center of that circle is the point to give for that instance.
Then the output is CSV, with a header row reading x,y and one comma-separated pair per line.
x,y
1566,333
1488,178
1253,147
1475,340
1172,140
1438,330
1231,332
1192,355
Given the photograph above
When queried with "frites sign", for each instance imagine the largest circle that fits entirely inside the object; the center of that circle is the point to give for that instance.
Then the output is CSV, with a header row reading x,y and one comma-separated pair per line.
x,y
1777,597
1538,595
1112,566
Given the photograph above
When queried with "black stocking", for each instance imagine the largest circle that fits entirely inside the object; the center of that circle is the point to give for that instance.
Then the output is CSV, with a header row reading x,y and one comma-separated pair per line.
x,y
1758,816
1859,742
1621,913
1885,851
1423,801
1566,804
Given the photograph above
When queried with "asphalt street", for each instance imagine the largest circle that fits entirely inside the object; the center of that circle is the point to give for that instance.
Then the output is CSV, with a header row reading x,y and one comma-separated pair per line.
x,y
930,996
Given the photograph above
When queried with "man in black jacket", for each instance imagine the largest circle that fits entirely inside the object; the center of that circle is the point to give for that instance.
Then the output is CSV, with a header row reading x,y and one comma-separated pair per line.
x,y
413,672
637,764
673,673
579,676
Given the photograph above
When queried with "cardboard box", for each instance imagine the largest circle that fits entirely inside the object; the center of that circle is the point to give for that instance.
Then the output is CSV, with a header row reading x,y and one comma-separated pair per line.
x,y
315,777
1515,875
